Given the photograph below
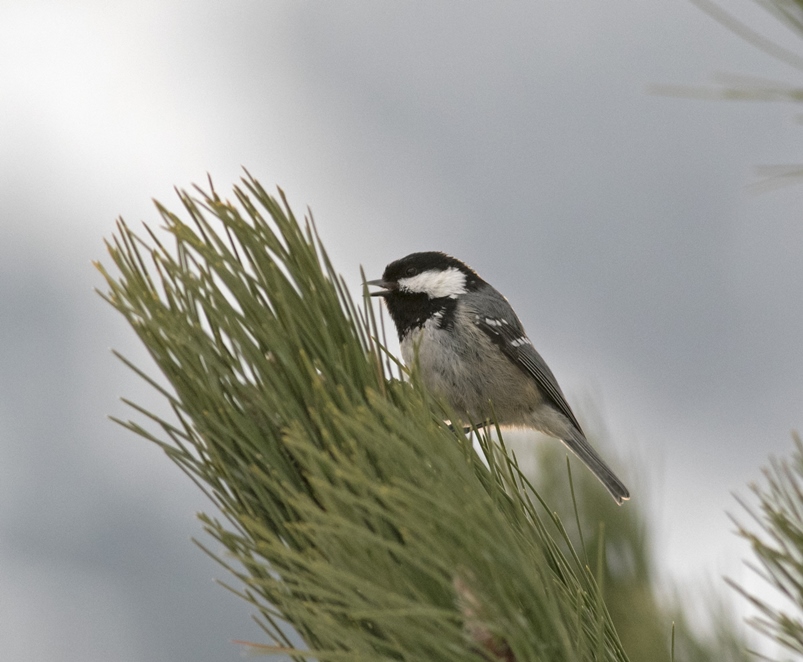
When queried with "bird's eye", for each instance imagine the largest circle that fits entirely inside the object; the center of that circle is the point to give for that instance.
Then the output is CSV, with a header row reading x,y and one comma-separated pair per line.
x,y
411,271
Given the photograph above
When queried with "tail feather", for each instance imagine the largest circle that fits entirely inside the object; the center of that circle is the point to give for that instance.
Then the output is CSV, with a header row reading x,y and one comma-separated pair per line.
x,y
578,445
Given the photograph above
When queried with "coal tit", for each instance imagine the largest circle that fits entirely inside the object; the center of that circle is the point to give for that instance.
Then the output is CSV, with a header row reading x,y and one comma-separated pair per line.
x,y
472,351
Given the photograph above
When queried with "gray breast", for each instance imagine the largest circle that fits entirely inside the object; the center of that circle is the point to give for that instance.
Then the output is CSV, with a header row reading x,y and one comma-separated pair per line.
x,y
464,368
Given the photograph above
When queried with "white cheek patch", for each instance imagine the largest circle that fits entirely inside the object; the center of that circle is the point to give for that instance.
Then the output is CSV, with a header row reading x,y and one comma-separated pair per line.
x,y
450,282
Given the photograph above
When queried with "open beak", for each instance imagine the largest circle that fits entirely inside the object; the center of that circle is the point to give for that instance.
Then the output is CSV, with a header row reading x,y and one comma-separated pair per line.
x,y
387,287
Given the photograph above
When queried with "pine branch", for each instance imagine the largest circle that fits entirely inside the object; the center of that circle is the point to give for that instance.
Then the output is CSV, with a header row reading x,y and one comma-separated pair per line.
x,y
350,511
778,545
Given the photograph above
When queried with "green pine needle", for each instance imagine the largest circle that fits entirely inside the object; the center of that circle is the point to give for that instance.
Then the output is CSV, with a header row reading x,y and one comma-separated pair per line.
x,y
778,545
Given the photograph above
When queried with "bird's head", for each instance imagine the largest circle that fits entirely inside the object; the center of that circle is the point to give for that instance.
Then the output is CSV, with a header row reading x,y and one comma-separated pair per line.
x,y
430,274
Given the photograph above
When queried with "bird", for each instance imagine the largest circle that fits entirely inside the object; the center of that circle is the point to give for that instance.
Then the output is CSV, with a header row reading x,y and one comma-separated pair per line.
x,y
472,351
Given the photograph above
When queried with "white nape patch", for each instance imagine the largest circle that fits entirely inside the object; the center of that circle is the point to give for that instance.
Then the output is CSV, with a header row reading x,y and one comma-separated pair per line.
x,y
435,284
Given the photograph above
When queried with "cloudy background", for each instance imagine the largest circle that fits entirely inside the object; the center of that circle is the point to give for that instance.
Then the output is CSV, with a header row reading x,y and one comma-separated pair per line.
x,y
518,136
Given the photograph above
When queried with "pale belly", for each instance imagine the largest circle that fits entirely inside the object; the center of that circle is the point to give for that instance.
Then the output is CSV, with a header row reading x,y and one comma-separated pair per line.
x,y
469,373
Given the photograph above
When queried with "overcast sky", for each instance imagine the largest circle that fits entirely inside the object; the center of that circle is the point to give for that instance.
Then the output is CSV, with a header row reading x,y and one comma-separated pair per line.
x,y
520,137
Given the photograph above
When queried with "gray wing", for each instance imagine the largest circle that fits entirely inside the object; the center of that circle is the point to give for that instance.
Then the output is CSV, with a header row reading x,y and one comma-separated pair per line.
x,y
504,328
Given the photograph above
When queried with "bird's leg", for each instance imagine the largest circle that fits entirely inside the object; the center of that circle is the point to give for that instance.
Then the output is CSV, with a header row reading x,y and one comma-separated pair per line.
x,y
468,428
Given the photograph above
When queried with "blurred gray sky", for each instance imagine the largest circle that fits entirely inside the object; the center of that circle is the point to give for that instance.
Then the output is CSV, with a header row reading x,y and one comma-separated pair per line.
x,y
518,136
